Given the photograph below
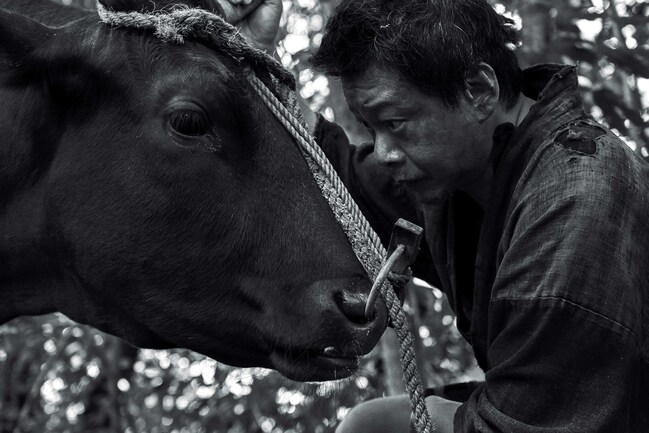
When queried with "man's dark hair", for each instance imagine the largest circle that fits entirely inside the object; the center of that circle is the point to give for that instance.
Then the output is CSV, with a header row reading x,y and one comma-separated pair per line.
x,y
431,43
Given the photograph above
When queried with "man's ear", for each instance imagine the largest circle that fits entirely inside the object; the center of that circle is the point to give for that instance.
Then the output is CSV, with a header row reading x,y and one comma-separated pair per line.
x,y
19,36
482,90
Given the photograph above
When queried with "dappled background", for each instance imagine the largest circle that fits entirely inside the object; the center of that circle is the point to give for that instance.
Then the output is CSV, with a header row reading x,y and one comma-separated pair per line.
x,y
58,376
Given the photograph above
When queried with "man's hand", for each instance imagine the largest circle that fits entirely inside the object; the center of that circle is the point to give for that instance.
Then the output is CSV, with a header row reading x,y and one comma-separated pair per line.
x,y
442,412
399,283
260,26
393,414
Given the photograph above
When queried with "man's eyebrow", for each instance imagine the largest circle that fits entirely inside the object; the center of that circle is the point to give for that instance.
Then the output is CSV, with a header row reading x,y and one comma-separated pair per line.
x,y
381,101
386,100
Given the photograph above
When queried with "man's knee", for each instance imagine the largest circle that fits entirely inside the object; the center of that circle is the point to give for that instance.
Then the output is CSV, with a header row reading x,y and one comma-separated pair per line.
x,y
389,414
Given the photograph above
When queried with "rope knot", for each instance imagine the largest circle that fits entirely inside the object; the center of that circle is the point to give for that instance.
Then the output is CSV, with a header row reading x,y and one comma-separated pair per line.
x,y
167,29
181,22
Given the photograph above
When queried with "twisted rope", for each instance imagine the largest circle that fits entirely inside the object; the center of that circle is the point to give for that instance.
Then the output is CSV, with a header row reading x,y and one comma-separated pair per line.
x,y
181,22
364,241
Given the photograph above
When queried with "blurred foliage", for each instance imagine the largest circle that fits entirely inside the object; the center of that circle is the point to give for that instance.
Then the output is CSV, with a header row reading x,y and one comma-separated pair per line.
x,y
607,39
58,376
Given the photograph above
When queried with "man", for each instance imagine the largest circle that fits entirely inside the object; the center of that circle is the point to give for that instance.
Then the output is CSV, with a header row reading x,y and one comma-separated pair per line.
x,y
536,217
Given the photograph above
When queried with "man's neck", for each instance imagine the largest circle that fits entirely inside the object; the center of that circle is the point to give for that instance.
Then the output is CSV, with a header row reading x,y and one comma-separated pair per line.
x,y
518,112
481,190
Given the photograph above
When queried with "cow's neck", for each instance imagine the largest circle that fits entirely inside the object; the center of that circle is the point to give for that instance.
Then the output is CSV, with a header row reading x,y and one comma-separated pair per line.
x,y
28,283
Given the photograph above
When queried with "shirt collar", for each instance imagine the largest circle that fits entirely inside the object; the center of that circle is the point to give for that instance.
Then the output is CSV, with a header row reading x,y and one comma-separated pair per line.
x,y
555,89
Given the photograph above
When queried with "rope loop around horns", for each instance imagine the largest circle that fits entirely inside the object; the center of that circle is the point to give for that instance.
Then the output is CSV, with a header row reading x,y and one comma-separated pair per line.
x,y
175,24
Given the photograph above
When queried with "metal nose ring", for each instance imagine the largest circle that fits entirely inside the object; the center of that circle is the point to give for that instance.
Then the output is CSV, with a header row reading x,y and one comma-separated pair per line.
x,y
380,279
404,244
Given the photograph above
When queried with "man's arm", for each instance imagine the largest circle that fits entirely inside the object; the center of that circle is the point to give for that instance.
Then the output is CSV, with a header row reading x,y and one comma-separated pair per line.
x,y
379,197
381,200
564,314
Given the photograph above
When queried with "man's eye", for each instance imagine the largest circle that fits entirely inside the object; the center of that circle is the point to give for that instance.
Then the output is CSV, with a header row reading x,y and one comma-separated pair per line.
x,y
395,125
191,123
366,125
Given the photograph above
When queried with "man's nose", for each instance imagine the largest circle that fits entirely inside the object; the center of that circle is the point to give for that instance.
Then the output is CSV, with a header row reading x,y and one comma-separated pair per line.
x,y
387,153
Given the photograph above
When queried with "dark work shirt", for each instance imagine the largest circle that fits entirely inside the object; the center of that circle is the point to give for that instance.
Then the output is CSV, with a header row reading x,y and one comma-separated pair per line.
x,y
550,282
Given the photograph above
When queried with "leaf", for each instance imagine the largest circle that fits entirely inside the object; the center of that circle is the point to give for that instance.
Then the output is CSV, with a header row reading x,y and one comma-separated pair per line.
x,y
614,108
634,61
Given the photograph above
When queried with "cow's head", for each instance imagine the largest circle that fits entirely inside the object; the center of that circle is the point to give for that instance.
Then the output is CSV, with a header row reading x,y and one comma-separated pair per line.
x,y
145,190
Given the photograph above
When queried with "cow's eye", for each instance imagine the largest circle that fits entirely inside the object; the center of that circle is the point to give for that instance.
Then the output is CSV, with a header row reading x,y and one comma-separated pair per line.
x,y
192,123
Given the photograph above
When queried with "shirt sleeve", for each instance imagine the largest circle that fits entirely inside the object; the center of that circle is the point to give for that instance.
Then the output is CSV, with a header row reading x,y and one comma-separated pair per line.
x,y
380,199
564,352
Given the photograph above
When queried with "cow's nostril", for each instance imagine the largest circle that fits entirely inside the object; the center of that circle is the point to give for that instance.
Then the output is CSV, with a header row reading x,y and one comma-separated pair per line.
x,y
352,306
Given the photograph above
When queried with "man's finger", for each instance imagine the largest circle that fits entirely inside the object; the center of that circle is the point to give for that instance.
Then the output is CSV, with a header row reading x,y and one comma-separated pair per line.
x,y
237,10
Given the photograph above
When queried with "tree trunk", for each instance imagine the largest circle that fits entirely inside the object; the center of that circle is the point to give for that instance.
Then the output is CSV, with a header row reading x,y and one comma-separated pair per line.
x,y
392,372
537,32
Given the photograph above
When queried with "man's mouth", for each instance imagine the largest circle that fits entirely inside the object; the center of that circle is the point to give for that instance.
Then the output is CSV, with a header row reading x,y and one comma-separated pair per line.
x,y
407,180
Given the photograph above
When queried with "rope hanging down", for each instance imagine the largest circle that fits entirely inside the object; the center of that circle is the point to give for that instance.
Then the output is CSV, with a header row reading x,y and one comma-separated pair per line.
x,y
180,22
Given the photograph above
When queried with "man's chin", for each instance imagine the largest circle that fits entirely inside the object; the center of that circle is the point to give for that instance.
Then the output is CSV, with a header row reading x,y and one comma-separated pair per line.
x,y
428,196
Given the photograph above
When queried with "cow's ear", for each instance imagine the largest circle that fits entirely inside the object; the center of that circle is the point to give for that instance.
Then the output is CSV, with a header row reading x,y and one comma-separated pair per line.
x,y
28,52
19,36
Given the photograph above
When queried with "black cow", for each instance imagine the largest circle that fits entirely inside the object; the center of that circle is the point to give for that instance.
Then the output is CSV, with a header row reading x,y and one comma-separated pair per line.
x,y
146,191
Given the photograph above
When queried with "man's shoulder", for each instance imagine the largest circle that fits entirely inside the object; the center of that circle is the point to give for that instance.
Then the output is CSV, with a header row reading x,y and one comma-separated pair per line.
x,y
585,160
576,226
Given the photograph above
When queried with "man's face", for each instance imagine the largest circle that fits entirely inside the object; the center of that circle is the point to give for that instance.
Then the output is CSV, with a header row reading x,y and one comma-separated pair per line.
x,y
431,148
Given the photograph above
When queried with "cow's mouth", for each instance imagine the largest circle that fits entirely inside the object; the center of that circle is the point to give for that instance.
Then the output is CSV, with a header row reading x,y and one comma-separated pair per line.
x,y
335,357
313,365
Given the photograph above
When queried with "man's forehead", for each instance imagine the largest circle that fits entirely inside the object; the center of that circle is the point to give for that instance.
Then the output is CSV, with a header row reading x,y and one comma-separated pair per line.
x,y
375,88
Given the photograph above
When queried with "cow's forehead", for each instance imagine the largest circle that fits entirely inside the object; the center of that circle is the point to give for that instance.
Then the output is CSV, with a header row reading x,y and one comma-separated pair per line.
x,y
155,56
143,60
191,67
